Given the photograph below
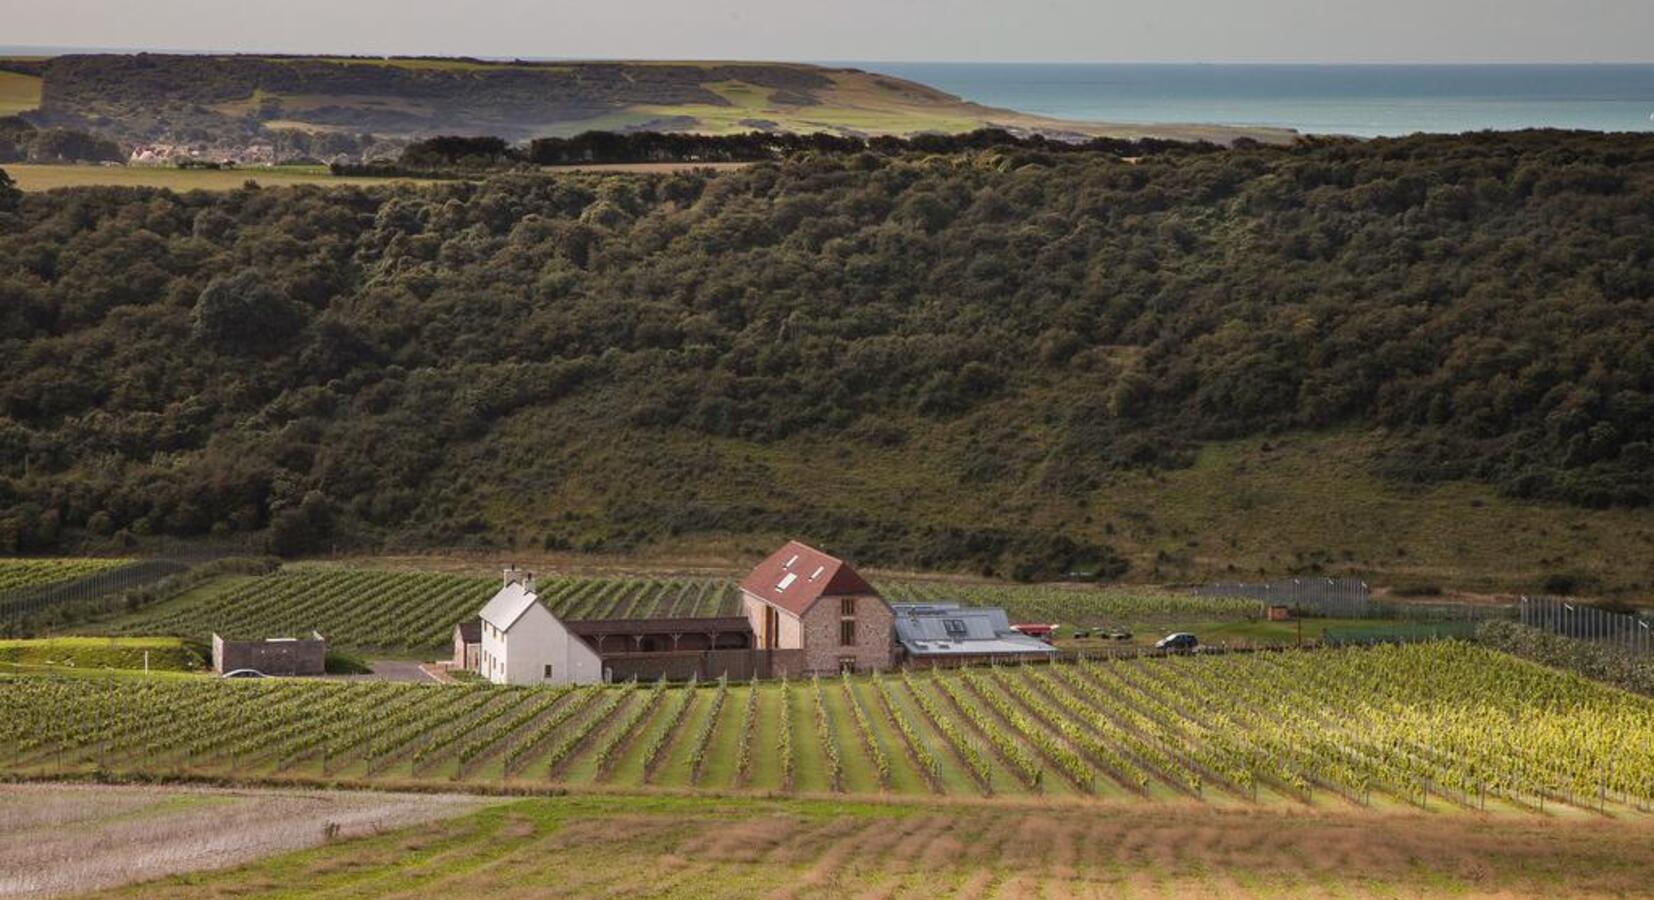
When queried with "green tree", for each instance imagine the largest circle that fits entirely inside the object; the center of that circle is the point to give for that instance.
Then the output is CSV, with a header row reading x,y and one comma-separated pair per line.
x,y
10,195
245,313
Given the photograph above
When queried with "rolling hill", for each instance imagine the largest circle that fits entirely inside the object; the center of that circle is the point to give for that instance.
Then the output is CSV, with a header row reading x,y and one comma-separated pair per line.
x,y
155,97
1429,357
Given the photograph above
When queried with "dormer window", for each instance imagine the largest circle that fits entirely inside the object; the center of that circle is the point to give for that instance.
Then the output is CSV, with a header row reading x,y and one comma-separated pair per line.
x,y
817,573
786,582
790,560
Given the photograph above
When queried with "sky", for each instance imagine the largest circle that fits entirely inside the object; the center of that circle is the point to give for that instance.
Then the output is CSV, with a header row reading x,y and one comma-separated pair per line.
x,y
1372,31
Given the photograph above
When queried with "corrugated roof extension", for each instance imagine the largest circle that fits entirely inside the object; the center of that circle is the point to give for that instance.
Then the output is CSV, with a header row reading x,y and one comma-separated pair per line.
x,y
796,576
947,629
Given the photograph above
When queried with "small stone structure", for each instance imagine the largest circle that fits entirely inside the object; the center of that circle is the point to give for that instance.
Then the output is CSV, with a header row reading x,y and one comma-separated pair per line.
x,y
271,656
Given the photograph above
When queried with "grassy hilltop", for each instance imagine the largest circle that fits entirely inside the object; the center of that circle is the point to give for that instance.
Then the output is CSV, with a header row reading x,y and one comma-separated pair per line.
x,y
155,96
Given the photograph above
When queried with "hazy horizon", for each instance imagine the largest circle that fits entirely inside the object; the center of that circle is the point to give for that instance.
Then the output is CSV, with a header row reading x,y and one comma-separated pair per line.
x,y
66,49
1402,32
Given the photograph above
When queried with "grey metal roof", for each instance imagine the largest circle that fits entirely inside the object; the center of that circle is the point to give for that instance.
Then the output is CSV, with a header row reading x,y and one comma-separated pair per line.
x,y
508,606
940,629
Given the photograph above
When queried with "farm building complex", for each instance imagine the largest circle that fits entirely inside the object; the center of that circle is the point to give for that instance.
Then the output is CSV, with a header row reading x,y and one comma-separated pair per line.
x,y
804,612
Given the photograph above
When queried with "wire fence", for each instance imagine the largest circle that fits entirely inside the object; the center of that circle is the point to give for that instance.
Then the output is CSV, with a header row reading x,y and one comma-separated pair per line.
x,y
1345,598
1350,598
23,603
1630,634
1404,633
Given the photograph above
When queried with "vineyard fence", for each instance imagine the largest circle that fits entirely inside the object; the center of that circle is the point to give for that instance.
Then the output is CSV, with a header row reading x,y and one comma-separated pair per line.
x,y
1346,598
1350,598
1630,634
22,603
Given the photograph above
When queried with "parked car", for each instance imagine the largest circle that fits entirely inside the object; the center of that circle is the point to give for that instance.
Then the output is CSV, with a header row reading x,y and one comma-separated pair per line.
x,y
244,673
1181,640
1118,634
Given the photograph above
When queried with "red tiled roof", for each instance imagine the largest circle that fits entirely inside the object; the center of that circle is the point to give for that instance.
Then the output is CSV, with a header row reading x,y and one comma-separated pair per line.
x,y
796,576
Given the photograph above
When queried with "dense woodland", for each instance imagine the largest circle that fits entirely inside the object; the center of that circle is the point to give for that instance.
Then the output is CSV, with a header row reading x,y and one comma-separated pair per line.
x,y
415,366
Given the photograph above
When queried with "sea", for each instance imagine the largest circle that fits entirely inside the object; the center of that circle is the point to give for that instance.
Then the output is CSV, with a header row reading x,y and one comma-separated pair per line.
x,y
1360,100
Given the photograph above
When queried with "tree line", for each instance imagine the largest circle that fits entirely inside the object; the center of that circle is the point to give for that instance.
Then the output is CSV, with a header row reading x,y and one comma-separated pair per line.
x,y
462,156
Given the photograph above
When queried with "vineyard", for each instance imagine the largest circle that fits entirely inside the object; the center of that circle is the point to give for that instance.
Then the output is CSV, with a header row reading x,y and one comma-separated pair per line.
x,y
1075,605
21,574
408,610
404,610
1444,725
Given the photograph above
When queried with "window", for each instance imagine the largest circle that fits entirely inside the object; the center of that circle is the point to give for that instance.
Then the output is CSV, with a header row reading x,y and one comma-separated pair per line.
x,y
954,627
847,606
847,633
786,582
847,664
548,671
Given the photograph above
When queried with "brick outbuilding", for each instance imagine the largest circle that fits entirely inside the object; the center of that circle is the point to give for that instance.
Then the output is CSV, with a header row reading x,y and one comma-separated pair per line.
x,y
801,598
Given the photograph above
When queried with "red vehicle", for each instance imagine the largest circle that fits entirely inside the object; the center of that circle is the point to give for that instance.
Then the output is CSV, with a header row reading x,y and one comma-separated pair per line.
x,y
1043,632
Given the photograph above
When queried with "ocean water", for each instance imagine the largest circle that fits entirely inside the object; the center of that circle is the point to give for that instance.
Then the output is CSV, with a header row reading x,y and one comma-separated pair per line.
x,y
1363,100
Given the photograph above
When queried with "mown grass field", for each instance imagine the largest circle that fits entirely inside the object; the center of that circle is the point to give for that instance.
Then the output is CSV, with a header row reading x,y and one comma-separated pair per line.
x,y
162,654
42,177
682,847
1444,727
18,93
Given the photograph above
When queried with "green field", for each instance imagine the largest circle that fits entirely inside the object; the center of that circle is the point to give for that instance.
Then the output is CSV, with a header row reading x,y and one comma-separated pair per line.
x,y
744,847
42,177
22,574
162,654
1435,726
18,93
404,610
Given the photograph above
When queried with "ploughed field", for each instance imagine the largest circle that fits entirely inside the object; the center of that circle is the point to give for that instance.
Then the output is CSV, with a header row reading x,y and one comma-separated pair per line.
x,y
417,611
1440,726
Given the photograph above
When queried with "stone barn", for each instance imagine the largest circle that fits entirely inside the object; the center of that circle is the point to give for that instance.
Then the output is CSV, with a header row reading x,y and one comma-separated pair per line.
x,y
803,599
467,645
271,656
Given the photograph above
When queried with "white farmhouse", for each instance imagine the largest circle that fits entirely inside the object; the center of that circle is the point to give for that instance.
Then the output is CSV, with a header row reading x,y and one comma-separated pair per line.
x,y
523,643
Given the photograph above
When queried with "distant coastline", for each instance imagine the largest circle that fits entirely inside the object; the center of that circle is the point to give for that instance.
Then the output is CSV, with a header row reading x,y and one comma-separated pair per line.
x,y
1362,100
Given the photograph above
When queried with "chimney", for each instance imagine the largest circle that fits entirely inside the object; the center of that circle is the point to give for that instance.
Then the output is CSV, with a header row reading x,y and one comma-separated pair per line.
x,y
510,575
528,583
